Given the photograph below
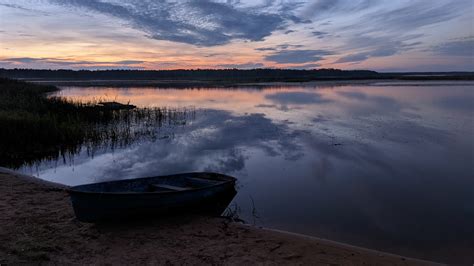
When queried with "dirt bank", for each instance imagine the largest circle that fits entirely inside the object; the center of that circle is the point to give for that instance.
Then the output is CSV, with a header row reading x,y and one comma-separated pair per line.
x,y
38,225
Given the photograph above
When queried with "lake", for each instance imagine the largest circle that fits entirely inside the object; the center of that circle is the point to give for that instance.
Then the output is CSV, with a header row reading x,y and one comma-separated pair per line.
x,y
385,165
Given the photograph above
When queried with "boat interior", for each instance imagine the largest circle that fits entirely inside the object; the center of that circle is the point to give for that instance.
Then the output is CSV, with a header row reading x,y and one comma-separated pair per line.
x,y
155,184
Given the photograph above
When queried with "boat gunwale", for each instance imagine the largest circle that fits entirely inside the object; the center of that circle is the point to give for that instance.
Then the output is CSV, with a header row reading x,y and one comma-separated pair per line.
x,y
231,179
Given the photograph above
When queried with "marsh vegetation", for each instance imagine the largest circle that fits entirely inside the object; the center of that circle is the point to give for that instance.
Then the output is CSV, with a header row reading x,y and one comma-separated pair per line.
x,y
36,126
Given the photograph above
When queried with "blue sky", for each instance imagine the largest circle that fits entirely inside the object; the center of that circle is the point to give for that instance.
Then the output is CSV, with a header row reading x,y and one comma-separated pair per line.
x,y
416,35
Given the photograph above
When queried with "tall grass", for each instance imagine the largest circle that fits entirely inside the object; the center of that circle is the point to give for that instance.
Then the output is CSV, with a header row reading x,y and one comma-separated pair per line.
x,y
35,127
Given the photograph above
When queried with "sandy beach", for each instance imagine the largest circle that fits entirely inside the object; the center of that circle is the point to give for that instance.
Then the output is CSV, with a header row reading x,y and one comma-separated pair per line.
x,y
38,226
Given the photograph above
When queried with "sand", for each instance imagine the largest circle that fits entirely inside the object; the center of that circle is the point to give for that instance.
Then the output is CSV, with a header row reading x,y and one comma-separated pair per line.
x,y
37,225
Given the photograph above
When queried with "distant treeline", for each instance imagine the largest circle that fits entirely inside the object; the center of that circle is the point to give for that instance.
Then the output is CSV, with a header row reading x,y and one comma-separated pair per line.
x,y
226,75
198,74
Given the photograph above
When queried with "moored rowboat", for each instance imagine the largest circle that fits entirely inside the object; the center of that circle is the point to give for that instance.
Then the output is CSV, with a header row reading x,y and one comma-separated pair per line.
x,y
151,196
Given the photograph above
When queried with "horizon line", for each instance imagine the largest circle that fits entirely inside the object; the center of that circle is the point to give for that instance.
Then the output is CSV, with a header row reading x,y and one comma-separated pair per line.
x,y
228,69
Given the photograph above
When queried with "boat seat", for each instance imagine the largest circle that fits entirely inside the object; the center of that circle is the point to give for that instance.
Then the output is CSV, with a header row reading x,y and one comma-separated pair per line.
x,y
169,187
204,180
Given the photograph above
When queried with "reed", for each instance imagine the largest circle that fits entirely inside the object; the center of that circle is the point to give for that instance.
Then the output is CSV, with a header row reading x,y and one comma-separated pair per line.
x,y
36,126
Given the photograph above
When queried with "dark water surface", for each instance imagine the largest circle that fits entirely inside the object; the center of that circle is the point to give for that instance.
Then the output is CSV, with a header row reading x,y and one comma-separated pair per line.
x,y
382,165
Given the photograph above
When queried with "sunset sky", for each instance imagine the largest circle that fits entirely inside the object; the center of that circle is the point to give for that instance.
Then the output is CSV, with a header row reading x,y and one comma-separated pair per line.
x,y
383,35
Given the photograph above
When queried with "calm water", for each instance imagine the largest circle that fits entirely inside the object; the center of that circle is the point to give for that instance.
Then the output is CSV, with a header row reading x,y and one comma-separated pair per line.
x,y
382,165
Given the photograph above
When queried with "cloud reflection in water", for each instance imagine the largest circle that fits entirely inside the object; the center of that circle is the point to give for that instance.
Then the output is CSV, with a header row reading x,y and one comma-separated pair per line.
x,y
379,166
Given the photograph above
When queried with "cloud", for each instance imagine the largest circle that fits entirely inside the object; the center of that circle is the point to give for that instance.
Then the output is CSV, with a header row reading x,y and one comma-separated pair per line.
x,y
14,6
280,47
415,14
324,8
266,49
321,6
66,63
355,30
388,16
266,106
353,58
287,46
320,119
201,23
292,54
127,62
22,8
297,56
320,34
248,65
376,47
459,47
359,57
382,28
304,66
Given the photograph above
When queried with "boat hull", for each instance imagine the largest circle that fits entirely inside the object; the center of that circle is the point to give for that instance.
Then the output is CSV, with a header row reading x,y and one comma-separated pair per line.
x,y
101,206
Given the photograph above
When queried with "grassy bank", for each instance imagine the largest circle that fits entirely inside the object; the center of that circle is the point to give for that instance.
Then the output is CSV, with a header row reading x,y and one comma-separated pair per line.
x,y
35,126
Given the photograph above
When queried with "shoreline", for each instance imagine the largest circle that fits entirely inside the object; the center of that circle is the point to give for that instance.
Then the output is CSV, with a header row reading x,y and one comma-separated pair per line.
x,y
186,84
38,226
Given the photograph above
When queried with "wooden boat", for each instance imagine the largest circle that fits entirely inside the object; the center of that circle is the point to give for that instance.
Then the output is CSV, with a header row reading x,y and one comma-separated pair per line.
x,y
116,106
151,196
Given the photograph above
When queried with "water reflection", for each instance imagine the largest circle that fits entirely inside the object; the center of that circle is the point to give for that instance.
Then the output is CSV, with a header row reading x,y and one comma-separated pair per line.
x,y
388,167
297,98
462,103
